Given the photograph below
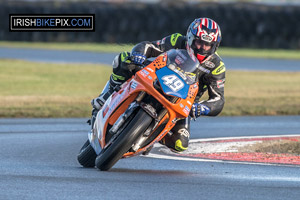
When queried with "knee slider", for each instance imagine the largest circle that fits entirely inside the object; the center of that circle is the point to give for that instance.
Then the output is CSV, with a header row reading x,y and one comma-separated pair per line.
x,y
179,147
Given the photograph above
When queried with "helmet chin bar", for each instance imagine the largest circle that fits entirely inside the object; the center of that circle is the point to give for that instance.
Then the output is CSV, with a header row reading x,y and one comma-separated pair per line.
x,y
201,55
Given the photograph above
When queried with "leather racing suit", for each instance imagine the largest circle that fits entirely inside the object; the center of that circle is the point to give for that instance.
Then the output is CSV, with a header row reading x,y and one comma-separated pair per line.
x,y
211,79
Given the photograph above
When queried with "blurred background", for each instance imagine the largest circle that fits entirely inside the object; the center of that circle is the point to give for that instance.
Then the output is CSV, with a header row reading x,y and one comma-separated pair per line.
x,y
260,46
252,24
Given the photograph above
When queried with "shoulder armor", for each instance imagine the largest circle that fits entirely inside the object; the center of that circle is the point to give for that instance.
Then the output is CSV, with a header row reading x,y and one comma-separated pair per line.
x,y
220,69
174,38
216,64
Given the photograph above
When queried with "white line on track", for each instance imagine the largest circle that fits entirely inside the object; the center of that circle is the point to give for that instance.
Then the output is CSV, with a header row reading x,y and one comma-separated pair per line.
x,y
241,137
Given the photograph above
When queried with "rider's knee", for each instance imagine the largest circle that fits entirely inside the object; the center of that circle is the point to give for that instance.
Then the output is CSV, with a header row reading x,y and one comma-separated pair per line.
x,y
178,141
182,142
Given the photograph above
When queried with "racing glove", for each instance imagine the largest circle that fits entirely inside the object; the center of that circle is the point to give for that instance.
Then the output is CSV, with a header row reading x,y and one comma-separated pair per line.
x,y
199,109
138,58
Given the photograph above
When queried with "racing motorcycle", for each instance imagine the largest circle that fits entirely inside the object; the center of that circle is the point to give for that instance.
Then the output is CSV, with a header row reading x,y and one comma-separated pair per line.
x,y
143,111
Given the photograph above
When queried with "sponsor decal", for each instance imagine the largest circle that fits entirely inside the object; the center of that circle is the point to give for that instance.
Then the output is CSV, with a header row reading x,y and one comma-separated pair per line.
x,y
51,22
148,68
145,71
209,64
206,38
220,83
179,60
184,132
181,105
186,112
187,108
133,85
189,102
143,74
150,77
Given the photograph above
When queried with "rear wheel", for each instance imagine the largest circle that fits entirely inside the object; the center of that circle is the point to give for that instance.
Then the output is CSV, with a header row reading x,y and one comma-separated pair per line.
x,y
110,155
87,155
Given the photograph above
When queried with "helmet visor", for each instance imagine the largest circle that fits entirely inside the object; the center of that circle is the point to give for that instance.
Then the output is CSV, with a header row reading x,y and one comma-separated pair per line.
x,y
202,47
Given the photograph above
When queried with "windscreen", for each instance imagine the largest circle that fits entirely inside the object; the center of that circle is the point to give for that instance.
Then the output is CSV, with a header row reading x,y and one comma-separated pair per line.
x,y
181,63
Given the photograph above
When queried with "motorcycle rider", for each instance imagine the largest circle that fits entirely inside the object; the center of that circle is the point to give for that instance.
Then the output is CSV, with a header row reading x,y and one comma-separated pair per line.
x,y
201,41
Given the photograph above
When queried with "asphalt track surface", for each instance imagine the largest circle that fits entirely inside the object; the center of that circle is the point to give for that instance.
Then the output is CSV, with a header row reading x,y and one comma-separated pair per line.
x,y
38,161
38,156
64,56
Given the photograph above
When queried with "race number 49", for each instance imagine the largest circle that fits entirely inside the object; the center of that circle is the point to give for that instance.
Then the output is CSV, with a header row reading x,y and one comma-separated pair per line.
x,y
173,82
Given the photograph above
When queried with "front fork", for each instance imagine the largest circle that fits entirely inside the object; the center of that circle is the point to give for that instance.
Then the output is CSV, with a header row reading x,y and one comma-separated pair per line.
x,y
157,117
123,117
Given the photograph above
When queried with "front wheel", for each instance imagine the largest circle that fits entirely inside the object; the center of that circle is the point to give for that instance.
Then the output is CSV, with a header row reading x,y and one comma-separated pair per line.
x,y
109,156
87,155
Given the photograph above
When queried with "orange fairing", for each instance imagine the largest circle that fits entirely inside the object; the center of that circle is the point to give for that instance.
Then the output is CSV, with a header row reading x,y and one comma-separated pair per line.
x,y
143,81
181,108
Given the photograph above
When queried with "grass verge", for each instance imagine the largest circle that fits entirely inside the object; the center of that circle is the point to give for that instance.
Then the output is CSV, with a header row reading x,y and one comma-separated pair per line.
x,y
262,93
30,89
274,146
104,47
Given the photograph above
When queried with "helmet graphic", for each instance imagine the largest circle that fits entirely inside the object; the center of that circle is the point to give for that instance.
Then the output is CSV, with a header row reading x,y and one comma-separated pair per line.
x,y
204,32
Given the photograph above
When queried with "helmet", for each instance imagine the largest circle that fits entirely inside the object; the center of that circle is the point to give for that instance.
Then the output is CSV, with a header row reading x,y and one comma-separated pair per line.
x,y
203,30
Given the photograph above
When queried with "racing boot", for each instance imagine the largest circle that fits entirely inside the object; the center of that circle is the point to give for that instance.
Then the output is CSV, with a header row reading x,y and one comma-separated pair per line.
x,y
98,102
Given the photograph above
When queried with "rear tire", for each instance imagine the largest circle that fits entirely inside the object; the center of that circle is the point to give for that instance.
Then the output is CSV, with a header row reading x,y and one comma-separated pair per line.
x,y
87,155
110,155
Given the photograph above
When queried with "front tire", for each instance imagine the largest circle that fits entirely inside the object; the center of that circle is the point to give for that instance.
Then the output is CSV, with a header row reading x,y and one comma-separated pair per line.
x,y
87,155
109,156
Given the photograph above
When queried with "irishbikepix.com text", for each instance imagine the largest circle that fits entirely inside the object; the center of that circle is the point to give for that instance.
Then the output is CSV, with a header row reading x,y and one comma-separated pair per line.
x,y
63,22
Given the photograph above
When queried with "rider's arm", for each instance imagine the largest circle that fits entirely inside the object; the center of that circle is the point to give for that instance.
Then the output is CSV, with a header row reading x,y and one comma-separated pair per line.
x,y
215,86
155,48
